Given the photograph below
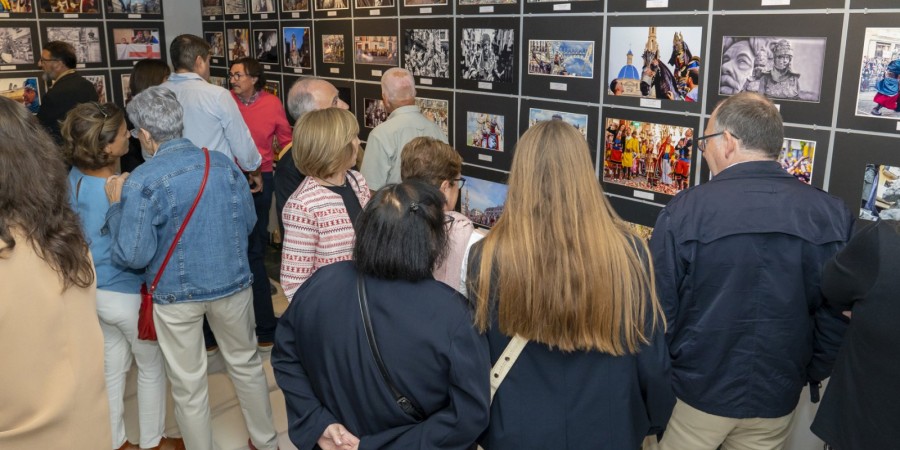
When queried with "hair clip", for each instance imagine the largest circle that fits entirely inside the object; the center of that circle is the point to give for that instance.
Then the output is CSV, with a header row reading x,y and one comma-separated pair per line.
x,y
413,207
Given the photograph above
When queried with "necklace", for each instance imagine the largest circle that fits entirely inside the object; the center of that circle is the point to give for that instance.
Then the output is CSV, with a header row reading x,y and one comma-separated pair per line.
x,y
326,182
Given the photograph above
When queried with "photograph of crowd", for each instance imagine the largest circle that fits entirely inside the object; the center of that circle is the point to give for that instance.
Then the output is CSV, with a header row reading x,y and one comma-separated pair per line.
x,y
881,193
484,131
216,41
579,121
71,6
482,201
134,6
212,7
134,44
99,82
668,71
16,6
262,6
426,52
487,54
376,50
235,6
328,5
879,77
333,48
86,41
364,4
649,156
16,46
435,110
424,2
561,58
781,68
294,5
237,43
797,158
296,47
22,90
265,43
374,113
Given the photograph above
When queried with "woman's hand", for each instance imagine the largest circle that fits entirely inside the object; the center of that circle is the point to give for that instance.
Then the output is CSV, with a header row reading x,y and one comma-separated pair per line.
x,y
114,187
336,437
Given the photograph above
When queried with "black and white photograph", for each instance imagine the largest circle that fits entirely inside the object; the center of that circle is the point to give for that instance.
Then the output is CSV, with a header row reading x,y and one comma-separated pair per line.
x,y
436,110
70,6
17,46
86,40
296,47
781,68
487,54
426,52
238,45
879,74
373,112
22,90
262,6
235,7
216,41
211,7
17,6
670,59
561,58
134,6
333,48
265,45
294,6
376,50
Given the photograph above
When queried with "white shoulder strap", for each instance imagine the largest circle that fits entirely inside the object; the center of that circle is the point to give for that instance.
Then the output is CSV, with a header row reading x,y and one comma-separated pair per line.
x,y
504,364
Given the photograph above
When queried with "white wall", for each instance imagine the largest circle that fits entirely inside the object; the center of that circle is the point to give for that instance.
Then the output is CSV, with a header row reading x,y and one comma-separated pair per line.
x,y
181,16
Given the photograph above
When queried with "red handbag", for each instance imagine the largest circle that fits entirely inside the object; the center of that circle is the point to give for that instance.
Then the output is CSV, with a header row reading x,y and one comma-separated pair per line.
x,y
146,328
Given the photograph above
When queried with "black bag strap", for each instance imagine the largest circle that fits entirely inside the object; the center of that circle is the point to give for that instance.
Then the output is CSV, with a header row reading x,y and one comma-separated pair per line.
x,y
405,403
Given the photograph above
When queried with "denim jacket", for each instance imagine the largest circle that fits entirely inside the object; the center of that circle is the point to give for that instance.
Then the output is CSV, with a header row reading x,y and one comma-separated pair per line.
x,y
210,261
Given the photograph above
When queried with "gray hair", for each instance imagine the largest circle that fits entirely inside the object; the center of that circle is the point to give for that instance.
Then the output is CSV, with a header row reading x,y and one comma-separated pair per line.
x,y
754,120
157,110
398,85
300,99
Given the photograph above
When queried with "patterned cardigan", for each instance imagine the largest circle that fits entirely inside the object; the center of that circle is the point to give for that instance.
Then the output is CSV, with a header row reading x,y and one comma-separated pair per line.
x,y
317,230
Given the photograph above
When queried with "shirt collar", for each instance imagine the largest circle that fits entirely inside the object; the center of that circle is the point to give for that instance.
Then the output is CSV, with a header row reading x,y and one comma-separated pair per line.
x,y
253,98
404,110
185,76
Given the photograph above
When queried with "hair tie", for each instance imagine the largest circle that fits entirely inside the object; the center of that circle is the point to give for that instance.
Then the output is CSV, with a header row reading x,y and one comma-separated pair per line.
x,y
413,207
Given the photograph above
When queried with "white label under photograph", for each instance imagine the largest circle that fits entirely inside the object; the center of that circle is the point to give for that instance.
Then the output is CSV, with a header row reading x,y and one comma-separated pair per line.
x,y
375,12
485,85
486,9
651,103
776,2
425,81
332,13
657,3
644,195
559,87
487,158
377,73
424,10
334,70
134,16
562,7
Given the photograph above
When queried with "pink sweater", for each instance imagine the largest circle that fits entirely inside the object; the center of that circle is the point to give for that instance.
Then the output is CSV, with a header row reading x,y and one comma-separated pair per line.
x,y
266,120
317,230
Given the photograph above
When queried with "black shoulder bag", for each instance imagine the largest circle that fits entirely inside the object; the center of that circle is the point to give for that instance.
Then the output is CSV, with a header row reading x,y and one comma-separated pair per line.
x,y
405,404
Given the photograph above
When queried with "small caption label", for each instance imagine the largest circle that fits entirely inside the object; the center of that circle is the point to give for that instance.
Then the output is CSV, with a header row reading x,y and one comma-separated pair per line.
x,y
487,158
236,16
376,73
267,67
425,81
375,12
70,16
485,85
657,3
295,15
332,13
486,9
134,16
651,103
559,87
80,66
776,2
7,67
298,70
424,10
562,7
644,195
334,70
264,16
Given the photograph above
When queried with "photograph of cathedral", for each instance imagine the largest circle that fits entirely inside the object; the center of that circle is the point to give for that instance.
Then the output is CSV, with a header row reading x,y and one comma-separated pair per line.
x,y
561,58
879,76
781,68
482,201
667,71
649,156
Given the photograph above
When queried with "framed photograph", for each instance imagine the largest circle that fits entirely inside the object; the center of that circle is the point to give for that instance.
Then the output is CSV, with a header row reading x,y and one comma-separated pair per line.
x,y
295,9
265,46
871,74
214,35
263,8
212,9
236,9
22,89
487,59
804,154
558,58
133,9
737,5
436,110
483,196
856,165
373,112
486,129
273,85
331,8
427,50
584,118
562,6
119,90
880,193
87,40
376,47
561,58
795,69
237,42
670,63
333,58
18,46
296,47
370,112
69,9
425,7
651,6
101,85
130,43
17,8
645,155
467,7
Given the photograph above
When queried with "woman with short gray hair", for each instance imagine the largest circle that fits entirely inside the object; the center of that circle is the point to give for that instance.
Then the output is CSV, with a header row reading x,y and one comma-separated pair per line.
x,y
208,274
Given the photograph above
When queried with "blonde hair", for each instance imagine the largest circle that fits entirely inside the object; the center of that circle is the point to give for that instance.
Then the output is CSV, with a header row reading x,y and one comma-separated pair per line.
x,y
567,272
323,141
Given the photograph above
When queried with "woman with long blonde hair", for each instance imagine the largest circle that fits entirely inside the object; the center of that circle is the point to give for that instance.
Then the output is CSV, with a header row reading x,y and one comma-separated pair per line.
x,y
561,270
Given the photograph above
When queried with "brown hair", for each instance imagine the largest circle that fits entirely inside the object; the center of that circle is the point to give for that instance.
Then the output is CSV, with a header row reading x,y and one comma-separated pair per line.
x,y
87,130
323,141
252,68
34,197
567,272
146,73
429,160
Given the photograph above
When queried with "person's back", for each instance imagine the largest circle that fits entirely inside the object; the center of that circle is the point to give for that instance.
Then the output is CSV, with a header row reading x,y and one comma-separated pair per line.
x,y
58,61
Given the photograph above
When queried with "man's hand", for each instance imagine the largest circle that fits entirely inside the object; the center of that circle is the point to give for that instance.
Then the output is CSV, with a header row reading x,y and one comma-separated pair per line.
x,y
336,437
255,180
114,187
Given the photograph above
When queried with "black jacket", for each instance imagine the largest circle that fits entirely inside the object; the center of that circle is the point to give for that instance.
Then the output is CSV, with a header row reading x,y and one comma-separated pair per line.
x,y
68,91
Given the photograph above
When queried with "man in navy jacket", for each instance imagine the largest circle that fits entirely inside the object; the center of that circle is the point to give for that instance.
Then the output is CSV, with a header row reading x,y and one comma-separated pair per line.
x,y
738,268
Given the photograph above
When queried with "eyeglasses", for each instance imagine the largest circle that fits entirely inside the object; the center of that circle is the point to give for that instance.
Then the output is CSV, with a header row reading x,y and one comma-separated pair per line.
x,y
135,133
460,182
236,75
700,142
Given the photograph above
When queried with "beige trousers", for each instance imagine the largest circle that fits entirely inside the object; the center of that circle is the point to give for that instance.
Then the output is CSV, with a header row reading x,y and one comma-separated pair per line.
x,y
692,429
179,328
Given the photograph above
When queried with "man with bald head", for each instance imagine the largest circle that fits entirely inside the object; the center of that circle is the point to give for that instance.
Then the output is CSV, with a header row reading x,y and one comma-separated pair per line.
x,y
307,94
738,264
381,161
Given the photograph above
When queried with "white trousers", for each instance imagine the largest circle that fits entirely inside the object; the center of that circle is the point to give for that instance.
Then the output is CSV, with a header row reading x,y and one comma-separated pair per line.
x,y
179,327
692,429
118,315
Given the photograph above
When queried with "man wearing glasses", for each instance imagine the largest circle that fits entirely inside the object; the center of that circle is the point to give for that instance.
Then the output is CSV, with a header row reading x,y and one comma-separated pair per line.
x,y
66,87
738,267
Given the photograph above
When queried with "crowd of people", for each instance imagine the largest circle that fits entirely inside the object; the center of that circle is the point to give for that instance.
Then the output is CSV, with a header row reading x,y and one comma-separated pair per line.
x,y
408,327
